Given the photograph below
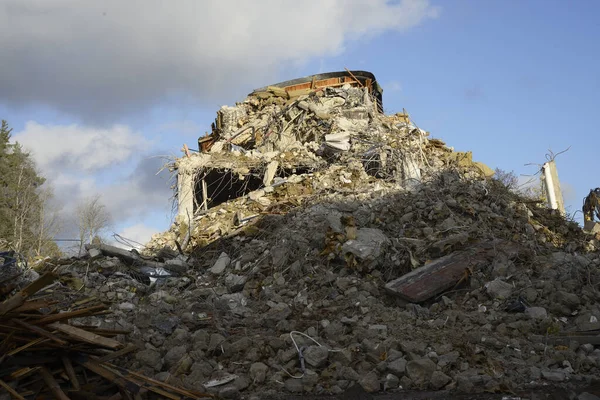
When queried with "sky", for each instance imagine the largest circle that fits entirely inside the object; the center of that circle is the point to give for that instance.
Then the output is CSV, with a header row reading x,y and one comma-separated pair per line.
x,y
103,94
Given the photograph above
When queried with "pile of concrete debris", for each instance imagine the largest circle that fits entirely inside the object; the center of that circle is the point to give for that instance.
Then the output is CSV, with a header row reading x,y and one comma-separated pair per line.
x,y
322,246
277,150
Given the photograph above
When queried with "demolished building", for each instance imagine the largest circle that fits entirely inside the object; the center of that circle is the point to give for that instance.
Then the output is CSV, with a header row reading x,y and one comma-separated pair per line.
x,y
301,130
322,246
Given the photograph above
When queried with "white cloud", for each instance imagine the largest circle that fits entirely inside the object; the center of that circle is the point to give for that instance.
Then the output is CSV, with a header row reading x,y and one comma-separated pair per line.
x,y
138,234
56,147
80,161
95,58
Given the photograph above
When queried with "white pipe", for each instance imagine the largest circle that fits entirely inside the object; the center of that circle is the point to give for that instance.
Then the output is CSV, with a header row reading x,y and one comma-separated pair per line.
x,y
550,187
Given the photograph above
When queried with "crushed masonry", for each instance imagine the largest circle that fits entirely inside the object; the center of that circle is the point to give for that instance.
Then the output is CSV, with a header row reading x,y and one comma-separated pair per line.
x,y
324,248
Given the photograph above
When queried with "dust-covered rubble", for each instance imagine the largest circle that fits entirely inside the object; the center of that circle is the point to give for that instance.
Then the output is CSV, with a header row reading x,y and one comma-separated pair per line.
x,y
284,287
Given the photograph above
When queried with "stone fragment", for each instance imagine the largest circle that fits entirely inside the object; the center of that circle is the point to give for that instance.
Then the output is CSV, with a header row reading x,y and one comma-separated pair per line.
x,y
536,312
316,356
391,382
420,371
368,245
235,283
258,372
499,289
570,300
293,385
370,382
398,367
127,306
439,380
94,253
554,376
150,358
220,265
174,355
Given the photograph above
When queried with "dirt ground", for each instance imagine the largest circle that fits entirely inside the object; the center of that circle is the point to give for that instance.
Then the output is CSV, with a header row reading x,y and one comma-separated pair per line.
x,y
563,392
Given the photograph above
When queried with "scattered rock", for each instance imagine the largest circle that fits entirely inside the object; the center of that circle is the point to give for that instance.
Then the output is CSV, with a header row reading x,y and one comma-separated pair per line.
x,y
220,265
258,372
554,376
499,289
150,358
536,312
370,382
420,371
439,380
398,367
316,356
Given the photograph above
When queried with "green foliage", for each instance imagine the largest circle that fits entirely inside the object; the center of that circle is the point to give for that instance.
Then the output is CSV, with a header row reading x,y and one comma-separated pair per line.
x,y
21,205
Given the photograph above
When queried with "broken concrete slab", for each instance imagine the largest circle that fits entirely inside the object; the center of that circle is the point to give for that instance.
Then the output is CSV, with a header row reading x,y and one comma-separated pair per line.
x,y
438,276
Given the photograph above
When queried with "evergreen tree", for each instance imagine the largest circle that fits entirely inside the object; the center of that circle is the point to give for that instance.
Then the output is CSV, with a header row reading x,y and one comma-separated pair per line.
x,y
20,202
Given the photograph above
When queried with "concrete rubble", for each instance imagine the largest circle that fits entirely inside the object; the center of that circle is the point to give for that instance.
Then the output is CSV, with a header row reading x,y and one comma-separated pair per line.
x,y
306,213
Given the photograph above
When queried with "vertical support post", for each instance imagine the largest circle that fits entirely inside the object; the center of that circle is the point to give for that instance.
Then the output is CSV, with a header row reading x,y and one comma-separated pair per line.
x,y
553,191
185,193
204,195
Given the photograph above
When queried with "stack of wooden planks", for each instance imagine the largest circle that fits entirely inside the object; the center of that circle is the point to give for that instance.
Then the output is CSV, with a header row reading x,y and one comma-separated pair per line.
x,y
44,353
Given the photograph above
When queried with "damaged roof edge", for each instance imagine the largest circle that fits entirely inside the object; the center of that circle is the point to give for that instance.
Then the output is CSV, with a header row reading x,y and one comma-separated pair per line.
x,y
365,78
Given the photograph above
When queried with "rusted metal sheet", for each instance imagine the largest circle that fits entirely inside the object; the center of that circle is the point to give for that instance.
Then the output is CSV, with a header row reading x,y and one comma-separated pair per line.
x,y
442,274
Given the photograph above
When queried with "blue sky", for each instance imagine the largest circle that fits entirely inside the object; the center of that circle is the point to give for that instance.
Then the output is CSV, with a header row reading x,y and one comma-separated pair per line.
x,y
508,80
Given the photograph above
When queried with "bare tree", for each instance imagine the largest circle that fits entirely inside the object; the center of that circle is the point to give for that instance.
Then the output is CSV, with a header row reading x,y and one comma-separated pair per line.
x,y
92,219
48,223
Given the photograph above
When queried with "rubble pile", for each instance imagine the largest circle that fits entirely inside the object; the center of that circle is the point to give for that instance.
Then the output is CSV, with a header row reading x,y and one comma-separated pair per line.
x,y
331,247
271,153
301,301
44,353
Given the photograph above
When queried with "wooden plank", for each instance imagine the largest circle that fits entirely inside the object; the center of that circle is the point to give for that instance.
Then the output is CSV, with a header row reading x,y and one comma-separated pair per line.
x,y
26,346
102,331
71,372
436,277
10,390
32,305
107,374
52,384
180,391
86,336
117,354
40,331
31,289
354,77
72,314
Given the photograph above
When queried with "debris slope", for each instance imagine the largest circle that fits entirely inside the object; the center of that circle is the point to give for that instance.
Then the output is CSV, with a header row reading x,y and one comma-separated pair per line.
x,y
357,251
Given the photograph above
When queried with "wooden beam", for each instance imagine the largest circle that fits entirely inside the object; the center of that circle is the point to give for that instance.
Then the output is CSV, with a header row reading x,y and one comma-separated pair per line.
x,y
72,314
71,373
52,384
117,354
40,331
34,287
355,78
442,274
10,390
86,336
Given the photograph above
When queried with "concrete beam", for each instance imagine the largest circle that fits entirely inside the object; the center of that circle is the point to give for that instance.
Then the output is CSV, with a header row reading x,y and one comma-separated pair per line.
x,y
552,184
185,193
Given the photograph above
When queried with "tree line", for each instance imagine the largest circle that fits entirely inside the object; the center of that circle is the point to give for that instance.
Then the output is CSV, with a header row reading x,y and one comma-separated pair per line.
x,y
29,218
